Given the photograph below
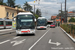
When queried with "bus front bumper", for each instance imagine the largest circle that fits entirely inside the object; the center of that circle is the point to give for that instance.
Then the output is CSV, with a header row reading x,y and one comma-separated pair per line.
x,y
26,31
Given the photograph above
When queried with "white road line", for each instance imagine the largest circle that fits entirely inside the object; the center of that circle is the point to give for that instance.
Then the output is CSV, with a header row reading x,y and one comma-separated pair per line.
x,y
17,42
16,37
38,40
4,41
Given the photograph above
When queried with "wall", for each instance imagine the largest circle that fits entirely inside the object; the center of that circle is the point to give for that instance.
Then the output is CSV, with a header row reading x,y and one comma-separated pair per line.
x,y
2,12
10,11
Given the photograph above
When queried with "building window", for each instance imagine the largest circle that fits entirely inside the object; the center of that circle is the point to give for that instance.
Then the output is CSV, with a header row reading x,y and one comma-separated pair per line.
x,y
7,14
12,14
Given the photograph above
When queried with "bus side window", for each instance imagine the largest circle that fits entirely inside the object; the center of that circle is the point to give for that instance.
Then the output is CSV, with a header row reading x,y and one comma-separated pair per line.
x,y
1,22
8,23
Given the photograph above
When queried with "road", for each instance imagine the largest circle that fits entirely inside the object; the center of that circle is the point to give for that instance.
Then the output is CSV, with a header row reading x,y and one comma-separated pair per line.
x,y
49,39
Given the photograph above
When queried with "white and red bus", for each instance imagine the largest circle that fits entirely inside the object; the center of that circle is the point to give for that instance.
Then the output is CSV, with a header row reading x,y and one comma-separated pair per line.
x,y
41,23
25,23
5,23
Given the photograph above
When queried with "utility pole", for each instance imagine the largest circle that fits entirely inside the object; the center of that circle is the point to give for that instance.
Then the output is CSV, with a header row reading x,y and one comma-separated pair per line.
x,y
34,9
65,13
61,12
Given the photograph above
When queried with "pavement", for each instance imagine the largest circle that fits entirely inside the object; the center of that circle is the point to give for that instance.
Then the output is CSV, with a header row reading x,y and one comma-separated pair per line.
x,y
6,31
49,39
73,39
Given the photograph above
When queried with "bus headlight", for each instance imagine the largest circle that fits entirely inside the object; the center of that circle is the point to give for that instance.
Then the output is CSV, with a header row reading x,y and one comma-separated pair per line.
x,y
32,30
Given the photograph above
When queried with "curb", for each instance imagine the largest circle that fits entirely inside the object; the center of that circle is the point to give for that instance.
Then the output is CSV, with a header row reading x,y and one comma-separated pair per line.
x,y
68,35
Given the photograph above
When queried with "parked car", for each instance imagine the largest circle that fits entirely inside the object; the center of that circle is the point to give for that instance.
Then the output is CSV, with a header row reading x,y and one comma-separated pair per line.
x,y
52,26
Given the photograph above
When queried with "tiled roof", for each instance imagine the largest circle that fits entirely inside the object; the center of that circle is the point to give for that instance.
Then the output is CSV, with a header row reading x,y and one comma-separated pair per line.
x,y
70,12
53,17
10,8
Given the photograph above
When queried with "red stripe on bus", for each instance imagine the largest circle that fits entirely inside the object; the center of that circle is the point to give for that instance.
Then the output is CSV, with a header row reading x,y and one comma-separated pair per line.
x,y
8,25
1,25
24,31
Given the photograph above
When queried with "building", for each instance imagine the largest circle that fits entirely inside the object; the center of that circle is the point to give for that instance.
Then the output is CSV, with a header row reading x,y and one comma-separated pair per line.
x,y
9,12
70,15
53,17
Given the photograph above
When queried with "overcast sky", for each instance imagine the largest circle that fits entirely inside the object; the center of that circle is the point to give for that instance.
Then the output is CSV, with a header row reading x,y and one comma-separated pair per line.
x,y
49,7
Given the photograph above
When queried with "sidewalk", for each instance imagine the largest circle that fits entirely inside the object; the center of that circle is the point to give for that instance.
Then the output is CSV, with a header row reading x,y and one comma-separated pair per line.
x,y
68,35
6,31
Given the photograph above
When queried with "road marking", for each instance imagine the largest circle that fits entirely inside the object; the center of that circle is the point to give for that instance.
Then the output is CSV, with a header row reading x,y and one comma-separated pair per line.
x,y
4,41
16,37
57,43
17,42
38,40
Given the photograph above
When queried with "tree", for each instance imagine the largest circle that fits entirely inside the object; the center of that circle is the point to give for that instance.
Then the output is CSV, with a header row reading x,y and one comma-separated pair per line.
x,y
11,3
72,20
36,16
1,3
27,7
38,12
19,6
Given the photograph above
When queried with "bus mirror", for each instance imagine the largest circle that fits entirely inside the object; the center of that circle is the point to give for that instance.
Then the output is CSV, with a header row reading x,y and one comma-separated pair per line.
x,y
35,20
14,19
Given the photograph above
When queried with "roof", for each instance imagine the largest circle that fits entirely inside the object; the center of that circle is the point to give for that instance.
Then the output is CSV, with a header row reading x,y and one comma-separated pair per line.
x,y
22,13
11,8
53,17
71,12
41,18
58,19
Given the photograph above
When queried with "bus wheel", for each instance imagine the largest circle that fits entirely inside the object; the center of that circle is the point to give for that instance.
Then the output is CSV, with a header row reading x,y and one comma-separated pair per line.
x,y
17,35
33,34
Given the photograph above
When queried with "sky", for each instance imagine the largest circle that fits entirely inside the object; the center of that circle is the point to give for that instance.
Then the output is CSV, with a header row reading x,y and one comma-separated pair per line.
x,y
49,7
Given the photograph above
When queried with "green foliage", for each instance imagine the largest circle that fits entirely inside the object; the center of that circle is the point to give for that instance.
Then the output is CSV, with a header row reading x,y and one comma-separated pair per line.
x,y
36,16
72,20
27,7
11,3
19,6
38,12
1,3
68,28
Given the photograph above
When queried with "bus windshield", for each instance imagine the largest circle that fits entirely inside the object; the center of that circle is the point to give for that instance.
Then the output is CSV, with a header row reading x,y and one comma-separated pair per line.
x,y
25,21
41,22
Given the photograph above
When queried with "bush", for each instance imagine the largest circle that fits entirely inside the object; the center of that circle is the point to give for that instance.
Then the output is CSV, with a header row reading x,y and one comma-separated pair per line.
x,y
66,27
72,20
